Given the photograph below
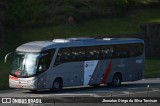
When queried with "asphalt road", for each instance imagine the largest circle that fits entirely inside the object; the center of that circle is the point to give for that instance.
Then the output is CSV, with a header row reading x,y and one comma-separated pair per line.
x,y
142,88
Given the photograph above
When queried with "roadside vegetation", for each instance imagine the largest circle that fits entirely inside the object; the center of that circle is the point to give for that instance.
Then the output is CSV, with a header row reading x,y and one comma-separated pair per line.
x,y
152,68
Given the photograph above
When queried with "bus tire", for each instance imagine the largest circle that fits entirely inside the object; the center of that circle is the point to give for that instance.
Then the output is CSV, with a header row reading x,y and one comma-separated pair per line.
x,y
117,79
57,85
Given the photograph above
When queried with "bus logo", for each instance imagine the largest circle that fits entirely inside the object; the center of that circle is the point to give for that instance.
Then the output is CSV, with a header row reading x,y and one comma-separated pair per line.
x,y
6,100
86,65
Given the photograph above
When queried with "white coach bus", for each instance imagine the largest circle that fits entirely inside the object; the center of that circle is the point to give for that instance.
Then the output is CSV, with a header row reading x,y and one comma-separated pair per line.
x,y
76,62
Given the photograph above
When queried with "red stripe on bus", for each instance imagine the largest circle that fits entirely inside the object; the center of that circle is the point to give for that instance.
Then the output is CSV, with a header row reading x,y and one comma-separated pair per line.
x,y
13,78
107,72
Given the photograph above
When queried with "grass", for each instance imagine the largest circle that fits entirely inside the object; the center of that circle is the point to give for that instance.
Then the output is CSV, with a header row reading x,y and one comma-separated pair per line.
x,y
152,67
4,73
122,25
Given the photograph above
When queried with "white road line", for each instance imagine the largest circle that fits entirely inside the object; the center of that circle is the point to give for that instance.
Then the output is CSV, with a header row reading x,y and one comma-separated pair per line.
x,y
135,93
96,95
70,95
125,92
14,90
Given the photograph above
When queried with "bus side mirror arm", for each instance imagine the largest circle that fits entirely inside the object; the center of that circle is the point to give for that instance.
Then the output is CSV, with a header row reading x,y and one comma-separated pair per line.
x,y
7,56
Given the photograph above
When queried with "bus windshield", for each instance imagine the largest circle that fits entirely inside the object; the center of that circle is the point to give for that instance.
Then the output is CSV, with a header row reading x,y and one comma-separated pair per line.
x,y
24,64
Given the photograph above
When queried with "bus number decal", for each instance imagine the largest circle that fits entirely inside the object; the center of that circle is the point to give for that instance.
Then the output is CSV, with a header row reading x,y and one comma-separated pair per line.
x,y
139,61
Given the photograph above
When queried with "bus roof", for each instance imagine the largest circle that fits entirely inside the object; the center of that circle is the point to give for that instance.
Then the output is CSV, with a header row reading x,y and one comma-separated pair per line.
x,y
39,46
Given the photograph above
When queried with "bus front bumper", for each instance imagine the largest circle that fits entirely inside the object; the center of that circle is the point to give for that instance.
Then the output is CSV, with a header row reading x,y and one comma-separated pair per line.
x,y
23,83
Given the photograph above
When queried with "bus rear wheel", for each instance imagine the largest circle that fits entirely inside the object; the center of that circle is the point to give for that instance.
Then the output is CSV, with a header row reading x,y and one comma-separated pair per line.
x,y
117,79
57,85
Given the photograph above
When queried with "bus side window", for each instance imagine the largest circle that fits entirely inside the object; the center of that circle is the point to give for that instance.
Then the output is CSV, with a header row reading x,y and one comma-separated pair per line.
x,y
63,56
58,59
93,53
121,51
82,55
96,54
42,64
77,54
74,56
102,54
106,52
135,49
45,61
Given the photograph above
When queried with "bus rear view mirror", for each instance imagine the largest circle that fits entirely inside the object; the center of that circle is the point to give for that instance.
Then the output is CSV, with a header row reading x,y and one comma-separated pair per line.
x,y
9,55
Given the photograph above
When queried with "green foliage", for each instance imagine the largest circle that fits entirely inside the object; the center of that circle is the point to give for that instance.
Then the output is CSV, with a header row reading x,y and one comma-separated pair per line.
x,y
144,3
48,12
128,24
3,6
20,12
30,12
152,68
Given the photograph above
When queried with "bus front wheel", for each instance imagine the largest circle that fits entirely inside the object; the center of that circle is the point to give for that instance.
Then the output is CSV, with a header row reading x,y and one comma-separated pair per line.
x,y
117,79
57,85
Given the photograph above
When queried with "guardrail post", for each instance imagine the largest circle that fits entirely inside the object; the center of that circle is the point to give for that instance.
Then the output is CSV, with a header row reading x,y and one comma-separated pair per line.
x,y
111,97
129,95
148,86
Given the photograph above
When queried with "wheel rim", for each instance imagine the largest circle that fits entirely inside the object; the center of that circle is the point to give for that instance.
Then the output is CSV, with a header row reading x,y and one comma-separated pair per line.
x,y
116,80
56,85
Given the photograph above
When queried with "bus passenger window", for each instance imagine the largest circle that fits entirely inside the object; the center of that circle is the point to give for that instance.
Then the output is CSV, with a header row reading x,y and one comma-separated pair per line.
x,y
63,56
42,64
58,59
107,52
45,61
92,52
96,54
81,56
88,56
121,51
77,54
103,54
74,56
135,49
